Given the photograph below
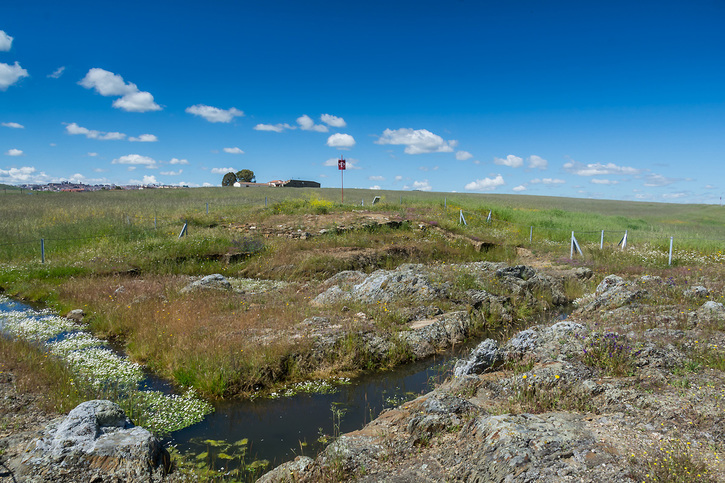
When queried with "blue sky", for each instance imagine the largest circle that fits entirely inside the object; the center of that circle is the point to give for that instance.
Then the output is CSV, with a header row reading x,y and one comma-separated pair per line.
x,y
612,100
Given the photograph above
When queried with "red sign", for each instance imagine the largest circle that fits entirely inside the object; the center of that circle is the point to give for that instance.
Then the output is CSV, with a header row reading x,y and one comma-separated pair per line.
x,y
341,164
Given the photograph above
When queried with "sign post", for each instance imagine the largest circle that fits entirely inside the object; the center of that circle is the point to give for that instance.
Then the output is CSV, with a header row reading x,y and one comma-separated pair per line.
x,y
341,166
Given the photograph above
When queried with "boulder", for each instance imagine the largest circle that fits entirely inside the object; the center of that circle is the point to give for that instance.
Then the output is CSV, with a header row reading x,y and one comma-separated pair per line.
x,y
486,355
95,442
215,281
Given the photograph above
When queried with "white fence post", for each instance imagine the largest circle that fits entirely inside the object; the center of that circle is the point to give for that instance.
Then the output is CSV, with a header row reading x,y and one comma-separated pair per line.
x,y
623,241
42,250
601,241
183,230
670,260
575,244
462,219
531,233
488,218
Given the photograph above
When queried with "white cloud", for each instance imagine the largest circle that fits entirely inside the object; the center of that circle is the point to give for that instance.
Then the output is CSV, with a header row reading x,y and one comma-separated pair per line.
x,y
136,160
273,127
486,184
537,162
147,180
519,188
709,187
376,178
417,141
223,170
376,187
137,102
172,173
214,114
26,174
13,125
178,161
307,124
350,163
57,73
603,181
419,185
74,129
598,169
463,155
109,84
10,74
673,196
14,152
547,181
341,141
658,180
511,161
234,150
398,178
144,138
6,41
93,155
333,121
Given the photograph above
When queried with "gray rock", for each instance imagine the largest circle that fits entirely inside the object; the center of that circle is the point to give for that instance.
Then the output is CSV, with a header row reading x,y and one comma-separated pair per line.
x,y
288,472
611,293
76,314
215,281
711,310
406,281
697,291
486,355
332,295
96,439
427,337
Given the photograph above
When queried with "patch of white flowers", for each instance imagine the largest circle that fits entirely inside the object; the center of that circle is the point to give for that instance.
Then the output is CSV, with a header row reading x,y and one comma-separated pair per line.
x,y
328,386
102,368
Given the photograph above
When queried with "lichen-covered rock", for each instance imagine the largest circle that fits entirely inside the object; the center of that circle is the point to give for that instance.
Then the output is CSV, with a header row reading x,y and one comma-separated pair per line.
x,y
697,291
426,337
95,440
611,293
486,355
215,281
287,472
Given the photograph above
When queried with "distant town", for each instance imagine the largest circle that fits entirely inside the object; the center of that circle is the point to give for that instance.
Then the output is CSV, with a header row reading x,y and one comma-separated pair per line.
x,y
80,187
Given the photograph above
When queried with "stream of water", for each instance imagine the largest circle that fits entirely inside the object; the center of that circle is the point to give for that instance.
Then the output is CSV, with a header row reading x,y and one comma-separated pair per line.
x,y
278,430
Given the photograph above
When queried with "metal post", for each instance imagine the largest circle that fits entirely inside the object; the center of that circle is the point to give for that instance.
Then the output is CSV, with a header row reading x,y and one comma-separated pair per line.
x,y
207,208
155,221
265,201
571,251
531,233
42,250
601,241
183,230
670,260
445,203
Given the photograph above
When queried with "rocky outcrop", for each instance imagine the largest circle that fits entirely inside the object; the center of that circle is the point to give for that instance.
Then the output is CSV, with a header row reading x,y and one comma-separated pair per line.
x,y
611,293
215,281
95,442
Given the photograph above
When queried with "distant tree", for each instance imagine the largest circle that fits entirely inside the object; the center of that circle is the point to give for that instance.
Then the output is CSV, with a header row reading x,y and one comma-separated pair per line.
x,y
229,179
246,175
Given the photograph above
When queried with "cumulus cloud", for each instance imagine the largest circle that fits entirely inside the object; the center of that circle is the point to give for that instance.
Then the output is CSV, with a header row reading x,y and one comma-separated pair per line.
x,y
463,155
511,161
673,196
376,187
10,74
341,141
6,41
658,180
485,184
333,121
214,114
147,180
519,188
417,141
144,138
109,84
273,127
547,181
307,124
172,173
136,160
75,129
537,162
222,170
57,73
398,178
26,174
598,169
234,150
419,186
178,161
14,152
92,155
137,102
376,178
603,181
13,125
